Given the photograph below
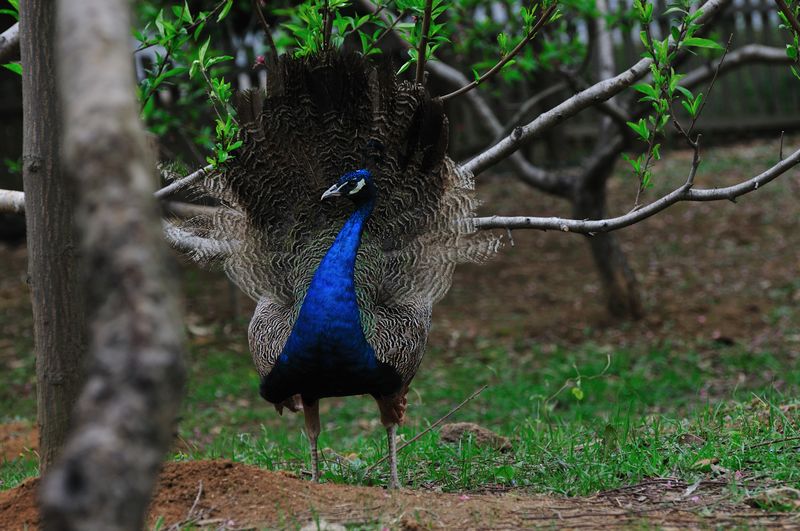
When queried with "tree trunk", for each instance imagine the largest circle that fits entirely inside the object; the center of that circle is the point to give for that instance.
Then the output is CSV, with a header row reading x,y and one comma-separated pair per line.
x,y
620,287
53,273
126,414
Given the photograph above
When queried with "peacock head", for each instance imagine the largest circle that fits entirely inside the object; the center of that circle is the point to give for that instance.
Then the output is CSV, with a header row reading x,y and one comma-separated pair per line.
x,y
356,186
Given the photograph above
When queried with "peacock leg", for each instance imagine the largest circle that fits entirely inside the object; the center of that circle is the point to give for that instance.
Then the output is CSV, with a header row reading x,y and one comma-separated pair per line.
x,y
311,414
391,431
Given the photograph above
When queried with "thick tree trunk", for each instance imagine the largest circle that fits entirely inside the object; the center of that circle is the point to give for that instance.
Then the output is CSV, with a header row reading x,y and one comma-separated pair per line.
x,y
620,287
54,278
126,414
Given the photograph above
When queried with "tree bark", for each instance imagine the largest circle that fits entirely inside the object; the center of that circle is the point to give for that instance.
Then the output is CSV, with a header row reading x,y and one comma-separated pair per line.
x,y
620,287
53,273
126,413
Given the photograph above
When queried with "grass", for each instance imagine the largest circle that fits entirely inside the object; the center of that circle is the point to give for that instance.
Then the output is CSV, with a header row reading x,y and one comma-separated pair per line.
x,y
580,419
612,423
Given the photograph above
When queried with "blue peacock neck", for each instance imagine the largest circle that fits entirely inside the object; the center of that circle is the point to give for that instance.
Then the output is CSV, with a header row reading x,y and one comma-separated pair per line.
x,y
338,264
329,322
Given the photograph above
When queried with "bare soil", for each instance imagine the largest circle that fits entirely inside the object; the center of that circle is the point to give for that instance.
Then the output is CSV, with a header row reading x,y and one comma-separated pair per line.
x,y
225,495
16,439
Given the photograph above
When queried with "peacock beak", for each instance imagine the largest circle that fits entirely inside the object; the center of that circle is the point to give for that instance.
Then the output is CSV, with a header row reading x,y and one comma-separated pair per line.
x,y
333,191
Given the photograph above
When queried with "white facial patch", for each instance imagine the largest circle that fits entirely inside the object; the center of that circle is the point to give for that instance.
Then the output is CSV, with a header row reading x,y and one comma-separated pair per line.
x,y
359,185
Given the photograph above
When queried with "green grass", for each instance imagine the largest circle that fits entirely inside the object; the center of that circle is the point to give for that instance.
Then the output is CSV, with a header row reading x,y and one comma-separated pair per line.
x,y
629,423
577,422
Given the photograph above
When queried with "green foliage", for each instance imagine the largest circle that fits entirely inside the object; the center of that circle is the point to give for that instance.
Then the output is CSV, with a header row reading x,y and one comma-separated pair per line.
x,y
14,67
14,11
178,32
663,88
793,46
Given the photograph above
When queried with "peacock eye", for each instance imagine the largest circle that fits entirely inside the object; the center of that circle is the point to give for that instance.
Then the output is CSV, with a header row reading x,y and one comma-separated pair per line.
x,y
359,185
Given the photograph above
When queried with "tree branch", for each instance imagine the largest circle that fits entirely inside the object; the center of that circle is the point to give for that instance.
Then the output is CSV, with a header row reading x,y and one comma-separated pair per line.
x,y
267,28
751,53
9,44
513,53
529,104
789,15
593,95
423,42
684,193
546,181
12,202
183,182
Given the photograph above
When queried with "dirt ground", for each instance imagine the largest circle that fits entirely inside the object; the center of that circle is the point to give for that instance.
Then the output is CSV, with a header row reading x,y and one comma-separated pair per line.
x,y
225,495
708,272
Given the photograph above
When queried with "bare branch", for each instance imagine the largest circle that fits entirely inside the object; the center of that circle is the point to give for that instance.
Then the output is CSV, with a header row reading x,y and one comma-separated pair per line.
x,y
708,91
513,53
609,108
267,28
593,95
423,42
684,193
526,107
389,28
9,44
787,12
183,182
12,202
751,53
546,181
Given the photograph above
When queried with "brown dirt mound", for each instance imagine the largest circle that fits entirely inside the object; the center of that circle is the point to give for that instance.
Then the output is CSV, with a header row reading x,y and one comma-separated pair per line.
x,y
225,495
17,438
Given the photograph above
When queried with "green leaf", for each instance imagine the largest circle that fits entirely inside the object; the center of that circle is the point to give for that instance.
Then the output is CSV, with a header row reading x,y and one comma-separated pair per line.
x,y
791,52
641,129
699,42
577,392
686,92
647,89
202,53
14,67
218,59
225,9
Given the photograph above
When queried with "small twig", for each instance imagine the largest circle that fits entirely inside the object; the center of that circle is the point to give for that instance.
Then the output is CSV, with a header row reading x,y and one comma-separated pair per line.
x,y
423,42
780,149
500,64
711,85
580,377
196,499
789,15
429,428
327,25
510,237
386,31
267,28
774,441
191,517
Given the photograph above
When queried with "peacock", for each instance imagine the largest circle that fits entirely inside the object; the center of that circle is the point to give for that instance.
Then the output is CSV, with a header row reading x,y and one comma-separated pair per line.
x,y
343,218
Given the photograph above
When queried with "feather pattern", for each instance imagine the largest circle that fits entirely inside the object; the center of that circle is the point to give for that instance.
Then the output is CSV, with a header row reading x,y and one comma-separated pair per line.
x,y
322,117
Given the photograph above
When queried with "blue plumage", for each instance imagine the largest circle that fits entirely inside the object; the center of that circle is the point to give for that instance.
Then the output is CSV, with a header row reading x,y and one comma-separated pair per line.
x,y
327,353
